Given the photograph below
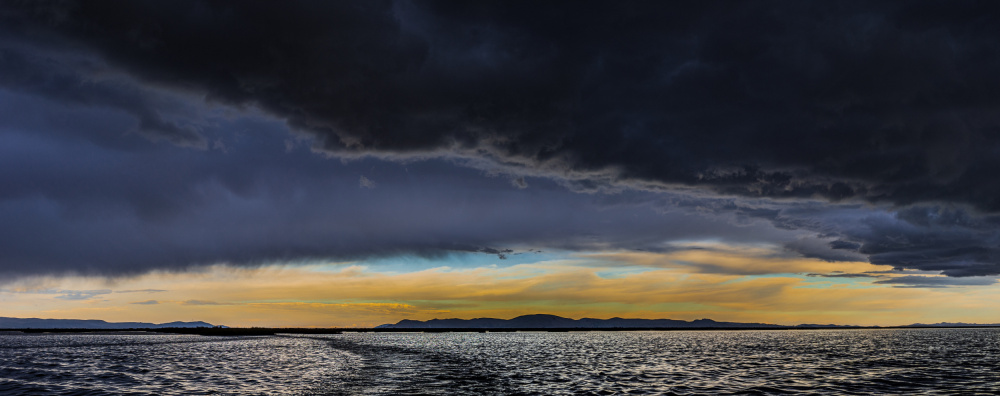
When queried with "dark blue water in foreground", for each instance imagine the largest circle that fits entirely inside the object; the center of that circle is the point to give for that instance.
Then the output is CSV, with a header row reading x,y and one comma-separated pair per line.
x,y
911,361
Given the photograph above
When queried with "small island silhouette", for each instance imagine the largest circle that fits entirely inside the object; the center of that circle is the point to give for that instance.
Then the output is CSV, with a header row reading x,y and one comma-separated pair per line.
x,y
36,323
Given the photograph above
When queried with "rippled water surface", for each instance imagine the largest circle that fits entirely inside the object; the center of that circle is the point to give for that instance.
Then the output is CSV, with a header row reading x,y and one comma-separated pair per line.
x,y
911,361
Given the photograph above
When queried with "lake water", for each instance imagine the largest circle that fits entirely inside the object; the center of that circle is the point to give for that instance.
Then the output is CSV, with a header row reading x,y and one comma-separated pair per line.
x,y
893,361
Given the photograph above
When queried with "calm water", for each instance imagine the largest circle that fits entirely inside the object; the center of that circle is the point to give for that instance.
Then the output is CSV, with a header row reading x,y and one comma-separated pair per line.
x,y
928,361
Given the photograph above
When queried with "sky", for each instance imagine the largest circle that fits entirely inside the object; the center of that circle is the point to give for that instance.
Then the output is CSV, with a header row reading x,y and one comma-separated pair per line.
x,y
354,163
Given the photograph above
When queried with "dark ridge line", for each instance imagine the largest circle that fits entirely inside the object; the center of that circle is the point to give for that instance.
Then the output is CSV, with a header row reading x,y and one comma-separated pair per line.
x,y
267,331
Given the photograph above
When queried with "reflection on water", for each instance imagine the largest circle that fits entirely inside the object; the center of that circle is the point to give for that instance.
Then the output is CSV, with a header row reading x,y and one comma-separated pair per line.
x,y
684,362
167,364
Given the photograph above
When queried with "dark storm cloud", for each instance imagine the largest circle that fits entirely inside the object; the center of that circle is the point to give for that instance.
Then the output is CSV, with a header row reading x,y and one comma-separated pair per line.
x,y
913,281
888,102
844,245
818,248
78,81
739,121
937,238
933,282
71,204
955,240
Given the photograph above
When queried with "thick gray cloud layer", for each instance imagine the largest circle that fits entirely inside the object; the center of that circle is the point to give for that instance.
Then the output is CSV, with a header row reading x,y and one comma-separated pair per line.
x,y
747,122
889,102
76,204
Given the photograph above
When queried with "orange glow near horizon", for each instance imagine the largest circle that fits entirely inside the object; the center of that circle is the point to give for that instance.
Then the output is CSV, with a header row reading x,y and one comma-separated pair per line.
x,y
725,284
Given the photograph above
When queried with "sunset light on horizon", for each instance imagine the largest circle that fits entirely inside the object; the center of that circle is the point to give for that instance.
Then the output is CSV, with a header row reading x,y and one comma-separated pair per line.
x,y
352,164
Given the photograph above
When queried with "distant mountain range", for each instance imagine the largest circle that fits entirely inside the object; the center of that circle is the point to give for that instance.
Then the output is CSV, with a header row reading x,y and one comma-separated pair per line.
x,y
950,324
539,321
34,323
558,322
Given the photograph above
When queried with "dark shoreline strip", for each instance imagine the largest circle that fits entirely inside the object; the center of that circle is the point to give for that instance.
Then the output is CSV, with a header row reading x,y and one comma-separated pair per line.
x,y
263,331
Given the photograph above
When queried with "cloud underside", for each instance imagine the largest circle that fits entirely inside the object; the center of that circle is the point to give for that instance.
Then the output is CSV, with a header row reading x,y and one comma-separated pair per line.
x,y
838,131
832,100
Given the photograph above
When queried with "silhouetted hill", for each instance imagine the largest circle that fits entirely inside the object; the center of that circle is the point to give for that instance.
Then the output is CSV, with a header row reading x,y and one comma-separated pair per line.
x,y
34,323
557,322
542,321
948,324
